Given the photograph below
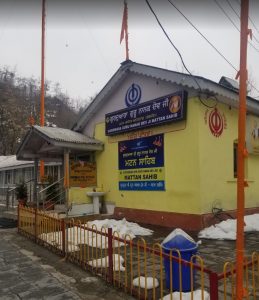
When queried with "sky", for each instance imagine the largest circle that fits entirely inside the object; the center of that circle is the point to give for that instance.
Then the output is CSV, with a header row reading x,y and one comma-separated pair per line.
x,y
83,47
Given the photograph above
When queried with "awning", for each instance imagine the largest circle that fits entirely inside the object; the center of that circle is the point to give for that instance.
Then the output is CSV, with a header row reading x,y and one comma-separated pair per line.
x,y
49,143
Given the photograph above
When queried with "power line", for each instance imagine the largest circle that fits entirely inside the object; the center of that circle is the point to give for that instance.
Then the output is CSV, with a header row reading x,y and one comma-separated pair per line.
x,y
228,17
214,47
235,12
167,36
238,15
203,36
161,26
250,19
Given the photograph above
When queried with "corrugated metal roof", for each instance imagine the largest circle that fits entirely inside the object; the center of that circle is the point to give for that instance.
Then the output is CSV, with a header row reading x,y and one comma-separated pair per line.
x,y
229,83
11,162
66,135
185,80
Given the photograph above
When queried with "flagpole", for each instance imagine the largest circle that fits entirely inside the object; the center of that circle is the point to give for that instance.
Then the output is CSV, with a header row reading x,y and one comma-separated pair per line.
x,y
42,97
126,31
240,291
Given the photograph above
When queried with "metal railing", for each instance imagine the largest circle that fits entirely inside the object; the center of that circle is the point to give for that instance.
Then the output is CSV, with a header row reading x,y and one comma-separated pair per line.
x,y
135,267
250,282
52,194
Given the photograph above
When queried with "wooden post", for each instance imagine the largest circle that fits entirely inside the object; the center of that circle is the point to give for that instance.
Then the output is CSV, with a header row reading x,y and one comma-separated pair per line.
x,y
35,194
63,230
35,224
18,218
66,177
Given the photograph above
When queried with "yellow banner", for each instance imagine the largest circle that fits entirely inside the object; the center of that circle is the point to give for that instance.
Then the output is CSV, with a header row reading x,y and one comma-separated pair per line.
x,y
144,174
82,174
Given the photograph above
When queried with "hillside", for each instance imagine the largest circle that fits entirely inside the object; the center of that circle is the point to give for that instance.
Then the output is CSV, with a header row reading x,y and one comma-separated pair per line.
x,y
20,99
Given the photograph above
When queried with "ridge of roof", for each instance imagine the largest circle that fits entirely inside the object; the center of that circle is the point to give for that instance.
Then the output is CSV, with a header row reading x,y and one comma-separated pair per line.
x,y
183,79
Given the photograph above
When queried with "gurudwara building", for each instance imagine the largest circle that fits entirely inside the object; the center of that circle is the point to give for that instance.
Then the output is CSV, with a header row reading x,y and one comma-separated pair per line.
x,y
160,145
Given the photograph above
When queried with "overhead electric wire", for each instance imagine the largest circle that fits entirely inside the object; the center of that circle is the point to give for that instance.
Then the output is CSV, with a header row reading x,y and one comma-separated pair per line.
x,y
250,19
226,15
203,36
214,47
238,15
231,21
179,53
235,12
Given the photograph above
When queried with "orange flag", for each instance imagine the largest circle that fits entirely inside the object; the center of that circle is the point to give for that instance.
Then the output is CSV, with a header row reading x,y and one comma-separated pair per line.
x,y
124,22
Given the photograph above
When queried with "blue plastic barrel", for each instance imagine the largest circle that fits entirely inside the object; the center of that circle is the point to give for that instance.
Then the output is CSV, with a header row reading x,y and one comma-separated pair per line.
x,y
187,247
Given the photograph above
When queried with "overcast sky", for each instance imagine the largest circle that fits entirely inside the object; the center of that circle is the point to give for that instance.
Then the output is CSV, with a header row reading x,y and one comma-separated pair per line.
x,y
82,39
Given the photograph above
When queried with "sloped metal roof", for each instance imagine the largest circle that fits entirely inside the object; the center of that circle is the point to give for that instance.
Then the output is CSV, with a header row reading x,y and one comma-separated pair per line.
x,y
66,135
208,87
10,162
229,83
51,142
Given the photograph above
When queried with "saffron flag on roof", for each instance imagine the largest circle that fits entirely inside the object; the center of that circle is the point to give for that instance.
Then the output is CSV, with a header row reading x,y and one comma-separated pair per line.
x,y
124,22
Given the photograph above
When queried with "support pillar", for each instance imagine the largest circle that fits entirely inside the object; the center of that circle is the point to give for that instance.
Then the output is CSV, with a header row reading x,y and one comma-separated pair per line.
x,y
35,183
66,178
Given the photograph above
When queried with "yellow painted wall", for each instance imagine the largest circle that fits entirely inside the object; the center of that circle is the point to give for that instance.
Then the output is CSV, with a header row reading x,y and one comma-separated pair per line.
x,y
218,185
78,195
198,168
181,170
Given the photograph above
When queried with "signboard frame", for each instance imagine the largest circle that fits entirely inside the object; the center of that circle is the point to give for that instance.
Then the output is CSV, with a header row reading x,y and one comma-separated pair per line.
x,y
162,110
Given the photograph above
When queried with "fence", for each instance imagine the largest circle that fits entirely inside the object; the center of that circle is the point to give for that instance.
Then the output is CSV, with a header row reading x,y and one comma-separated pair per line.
x,y
251,279
133,266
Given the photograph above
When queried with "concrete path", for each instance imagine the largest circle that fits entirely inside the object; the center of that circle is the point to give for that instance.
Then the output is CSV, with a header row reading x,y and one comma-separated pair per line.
x,y
28,271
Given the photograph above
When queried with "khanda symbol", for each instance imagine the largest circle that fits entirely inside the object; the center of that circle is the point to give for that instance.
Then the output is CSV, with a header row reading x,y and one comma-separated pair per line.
x,y
216,123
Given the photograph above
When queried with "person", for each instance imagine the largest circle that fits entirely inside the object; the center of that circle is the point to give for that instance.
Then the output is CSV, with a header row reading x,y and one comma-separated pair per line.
x,y
175,104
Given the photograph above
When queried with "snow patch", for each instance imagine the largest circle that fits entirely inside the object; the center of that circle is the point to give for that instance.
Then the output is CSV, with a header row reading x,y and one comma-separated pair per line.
x,y
226,230
118,260
89,279
145,282
77,236
197,295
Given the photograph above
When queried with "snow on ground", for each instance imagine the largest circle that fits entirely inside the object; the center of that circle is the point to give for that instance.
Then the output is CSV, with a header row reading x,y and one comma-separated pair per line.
x,y
123,227
141,281
118,260
226,230
197,295
77,236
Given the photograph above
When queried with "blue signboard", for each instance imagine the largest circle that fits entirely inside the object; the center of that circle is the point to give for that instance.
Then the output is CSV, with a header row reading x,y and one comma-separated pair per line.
x,y
170,108
141,164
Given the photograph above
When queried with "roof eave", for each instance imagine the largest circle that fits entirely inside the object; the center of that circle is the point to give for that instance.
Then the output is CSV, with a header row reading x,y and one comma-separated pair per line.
x,y
108,88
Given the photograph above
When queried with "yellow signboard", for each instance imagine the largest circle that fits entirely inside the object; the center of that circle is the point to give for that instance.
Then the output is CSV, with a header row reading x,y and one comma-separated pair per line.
x,y
82,174
147,174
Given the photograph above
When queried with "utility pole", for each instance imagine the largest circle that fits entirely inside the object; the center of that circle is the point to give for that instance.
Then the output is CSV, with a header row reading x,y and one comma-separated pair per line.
x,y
42,96
242,152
